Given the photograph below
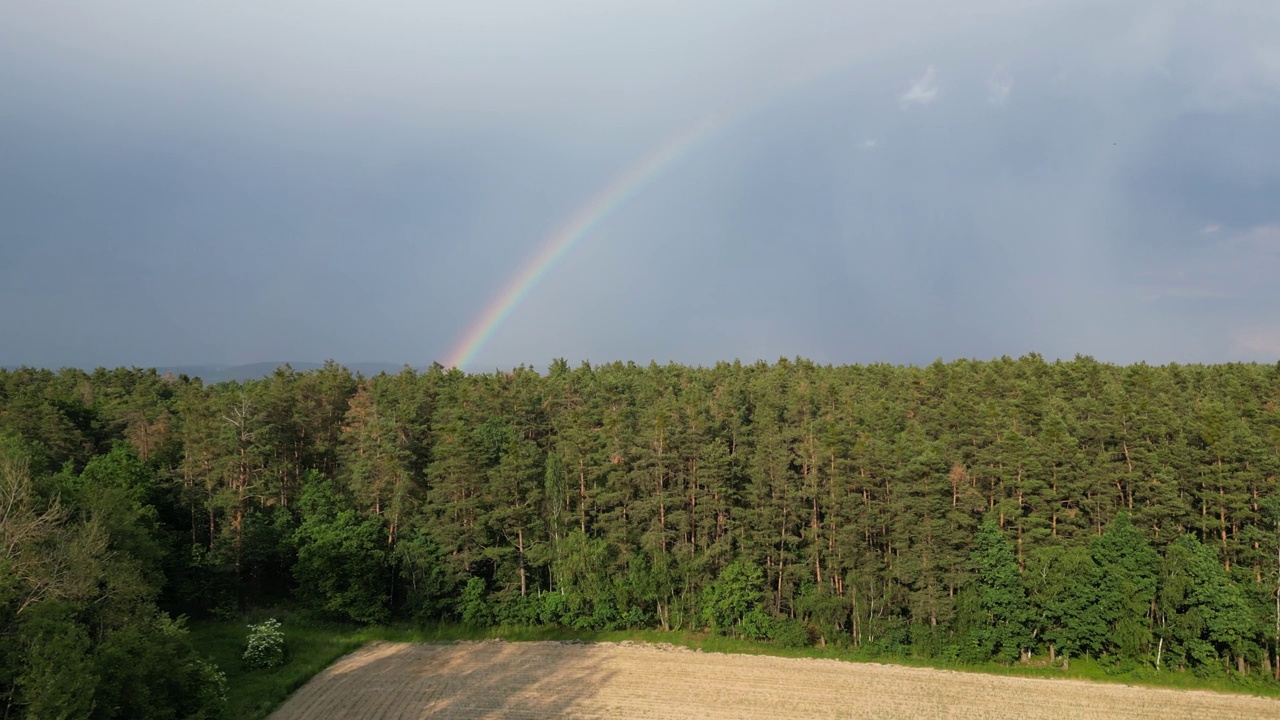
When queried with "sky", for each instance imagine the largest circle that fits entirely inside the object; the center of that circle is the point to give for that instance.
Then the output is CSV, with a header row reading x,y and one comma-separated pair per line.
x,y
233,182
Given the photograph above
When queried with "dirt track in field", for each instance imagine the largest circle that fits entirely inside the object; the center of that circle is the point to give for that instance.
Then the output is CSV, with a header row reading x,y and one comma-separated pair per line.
x,y
494,679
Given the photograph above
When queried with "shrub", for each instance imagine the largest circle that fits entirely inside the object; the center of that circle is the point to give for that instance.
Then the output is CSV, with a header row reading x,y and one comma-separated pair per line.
x,y
266,645
636,618
473,606
554,608
790,633
756,624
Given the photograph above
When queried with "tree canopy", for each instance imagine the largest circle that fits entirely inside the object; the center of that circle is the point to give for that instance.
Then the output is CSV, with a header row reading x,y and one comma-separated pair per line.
x,y
981,510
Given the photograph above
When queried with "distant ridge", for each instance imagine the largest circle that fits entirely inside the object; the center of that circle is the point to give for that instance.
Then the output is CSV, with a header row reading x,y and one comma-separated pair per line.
x,y
211,374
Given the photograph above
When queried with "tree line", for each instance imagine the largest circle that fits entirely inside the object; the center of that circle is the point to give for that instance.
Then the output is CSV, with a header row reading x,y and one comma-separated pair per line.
x,y
966,510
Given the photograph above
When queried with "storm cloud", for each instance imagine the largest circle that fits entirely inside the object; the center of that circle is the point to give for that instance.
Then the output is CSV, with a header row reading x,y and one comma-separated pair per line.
x,y
234,182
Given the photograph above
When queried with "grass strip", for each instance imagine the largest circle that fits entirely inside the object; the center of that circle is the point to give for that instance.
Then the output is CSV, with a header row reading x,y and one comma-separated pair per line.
x,y
312,646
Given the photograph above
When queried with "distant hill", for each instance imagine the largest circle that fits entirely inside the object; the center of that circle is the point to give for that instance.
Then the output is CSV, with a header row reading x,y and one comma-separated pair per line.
x,y
254,371
211,374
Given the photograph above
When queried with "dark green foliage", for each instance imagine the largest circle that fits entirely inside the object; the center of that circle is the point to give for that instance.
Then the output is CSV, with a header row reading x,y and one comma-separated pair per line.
x,y
150,669
473,607
83,637
1065,585
1126,588
422,573
343,566
1204,617
1132,513
57,678
789,632
1006,632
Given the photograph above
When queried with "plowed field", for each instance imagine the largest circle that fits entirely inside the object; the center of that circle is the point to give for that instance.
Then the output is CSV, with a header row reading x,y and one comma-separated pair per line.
x,y
495,679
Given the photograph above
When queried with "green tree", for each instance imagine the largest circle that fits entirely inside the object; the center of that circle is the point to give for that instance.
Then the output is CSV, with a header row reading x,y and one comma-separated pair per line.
x,y
58,679
342,556
1204,618
1126,584
1006,634
734,600
1064,587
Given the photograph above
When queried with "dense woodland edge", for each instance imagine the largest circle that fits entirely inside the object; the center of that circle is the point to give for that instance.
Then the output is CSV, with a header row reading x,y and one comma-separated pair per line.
x,y
1008,511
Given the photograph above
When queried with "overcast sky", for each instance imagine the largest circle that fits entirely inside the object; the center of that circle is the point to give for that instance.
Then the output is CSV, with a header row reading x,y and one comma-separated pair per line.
x,y
232,182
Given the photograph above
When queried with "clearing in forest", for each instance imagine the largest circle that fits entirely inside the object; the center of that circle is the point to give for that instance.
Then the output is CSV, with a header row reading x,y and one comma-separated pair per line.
x,y
495,679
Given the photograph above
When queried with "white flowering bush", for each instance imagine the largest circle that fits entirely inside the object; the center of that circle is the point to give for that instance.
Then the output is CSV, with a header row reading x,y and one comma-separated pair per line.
x,y
266,645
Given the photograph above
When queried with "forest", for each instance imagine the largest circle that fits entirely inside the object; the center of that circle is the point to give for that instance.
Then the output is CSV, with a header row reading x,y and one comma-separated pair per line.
x,y
1010,510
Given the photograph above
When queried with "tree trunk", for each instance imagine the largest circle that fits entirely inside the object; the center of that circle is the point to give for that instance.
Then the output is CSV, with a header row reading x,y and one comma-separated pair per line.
x,y
523,580
582,497
238,526
853,617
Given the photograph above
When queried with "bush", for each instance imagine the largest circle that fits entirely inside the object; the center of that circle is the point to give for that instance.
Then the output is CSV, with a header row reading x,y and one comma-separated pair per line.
x,y
266,645
790,633
636,618
520,611
554,608
473,606
756,624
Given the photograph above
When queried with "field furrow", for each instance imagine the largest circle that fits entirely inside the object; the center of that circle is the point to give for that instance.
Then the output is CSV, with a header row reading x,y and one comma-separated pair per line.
x,y
494,679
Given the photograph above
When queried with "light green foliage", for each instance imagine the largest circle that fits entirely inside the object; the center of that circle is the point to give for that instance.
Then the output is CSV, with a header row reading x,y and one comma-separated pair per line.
x,y
731,604
265,646
1064,584
585,584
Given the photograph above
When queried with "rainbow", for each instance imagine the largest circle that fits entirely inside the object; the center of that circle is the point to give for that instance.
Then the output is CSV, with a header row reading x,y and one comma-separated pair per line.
x,y
622,189
608,201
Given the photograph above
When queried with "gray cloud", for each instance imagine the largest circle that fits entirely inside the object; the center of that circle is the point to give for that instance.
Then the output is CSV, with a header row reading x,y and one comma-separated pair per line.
x,y
238,181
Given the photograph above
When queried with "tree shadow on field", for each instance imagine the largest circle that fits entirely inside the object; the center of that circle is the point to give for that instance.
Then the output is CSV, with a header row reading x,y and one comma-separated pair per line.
x,y
486,679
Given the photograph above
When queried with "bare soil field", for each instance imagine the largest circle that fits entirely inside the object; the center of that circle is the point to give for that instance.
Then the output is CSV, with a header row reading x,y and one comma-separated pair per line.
x,y
495,679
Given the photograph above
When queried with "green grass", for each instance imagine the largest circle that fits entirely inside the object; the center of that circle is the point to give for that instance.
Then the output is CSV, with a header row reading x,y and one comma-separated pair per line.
x,y
253,694
1080,668
312,646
